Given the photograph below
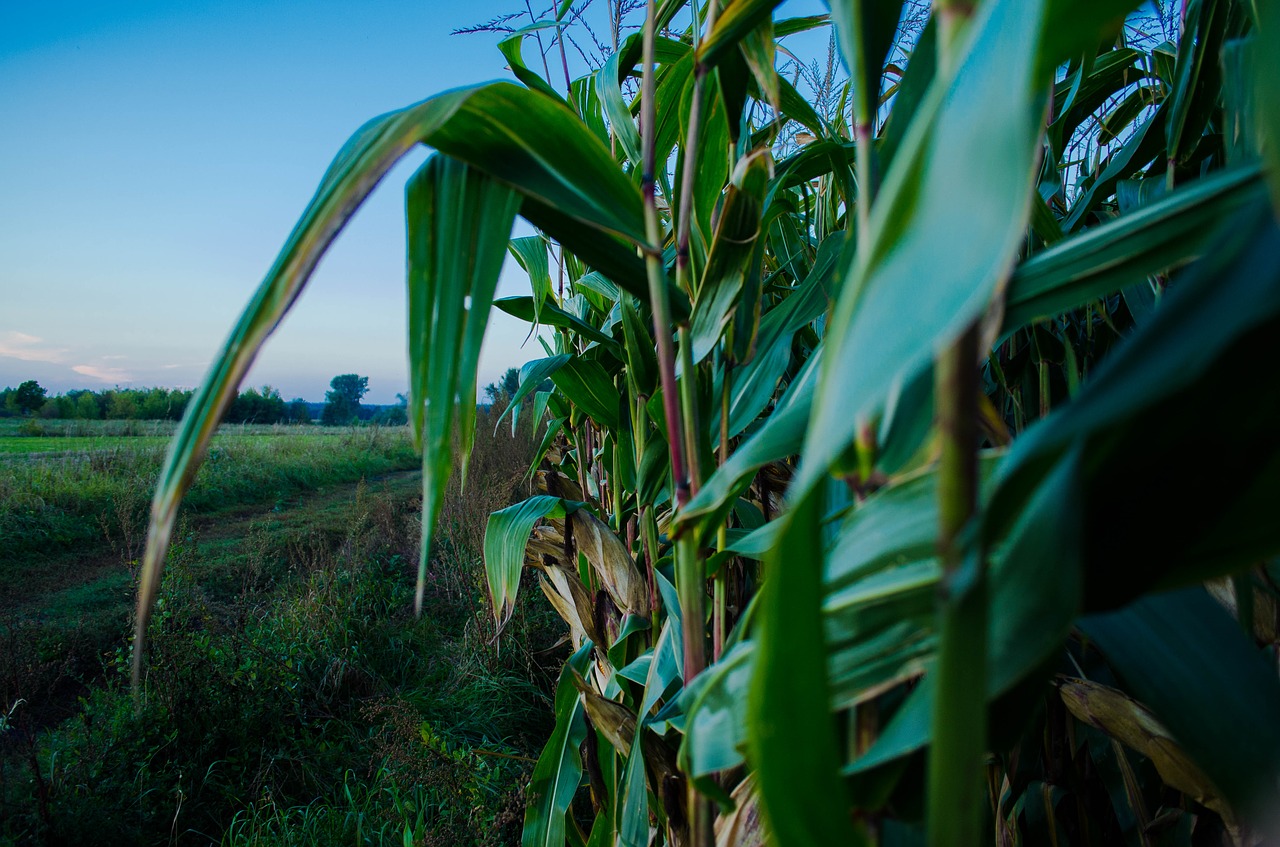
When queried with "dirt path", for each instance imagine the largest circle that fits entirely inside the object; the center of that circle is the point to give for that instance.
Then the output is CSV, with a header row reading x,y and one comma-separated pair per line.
x,y
60,586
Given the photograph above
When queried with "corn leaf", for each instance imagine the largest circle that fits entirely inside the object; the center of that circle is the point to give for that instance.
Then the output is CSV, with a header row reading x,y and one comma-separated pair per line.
x,y
978,136
559,769
1107,258
505,536
736,19
569,183
459,225
792,735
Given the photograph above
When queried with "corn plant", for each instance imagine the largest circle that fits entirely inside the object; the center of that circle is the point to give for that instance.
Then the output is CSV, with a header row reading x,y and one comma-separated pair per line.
x,y
912,487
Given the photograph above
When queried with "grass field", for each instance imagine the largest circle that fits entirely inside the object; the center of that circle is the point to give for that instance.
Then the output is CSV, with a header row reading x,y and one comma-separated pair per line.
x,y
290,697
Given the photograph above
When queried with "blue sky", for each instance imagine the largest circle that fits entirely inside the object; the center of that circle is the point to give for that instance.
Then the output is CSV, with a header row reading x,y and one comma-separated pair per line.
x,y
155,155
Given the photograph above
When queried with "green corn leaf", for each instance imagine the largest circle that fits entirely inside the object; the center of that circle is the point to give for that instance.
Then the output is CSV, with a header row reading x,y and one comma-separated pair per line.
x,y
715,735
559,769
736,19
732,249
511,48
642,362
916,82
531,253
616,110
1160,235
1145,144
459,223
505,537
792,734
588,386
1184,657
759,50
633,819
1197,75
865,29
780,436
527,309
980,141
532,374
1082,95
1072,28
569,182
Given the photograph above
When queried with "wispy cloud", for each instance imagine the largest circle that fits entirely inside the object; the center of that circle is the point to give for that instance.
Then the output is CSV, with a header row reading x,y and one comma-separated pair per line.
x,y
29,348
104,374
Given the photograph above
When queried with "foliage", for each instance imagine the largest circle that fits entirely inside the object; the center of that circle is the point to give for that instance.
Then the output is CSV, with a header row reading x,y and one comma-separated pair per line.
x,y
342,400
29,396
957,370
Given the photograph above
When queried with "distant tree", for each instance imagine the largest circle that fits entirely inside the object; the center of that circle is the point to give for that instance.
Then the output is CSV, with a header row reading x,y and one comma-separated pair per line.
x,y
29,396
121,404
299,412
396,415
342,400
505,388
86,406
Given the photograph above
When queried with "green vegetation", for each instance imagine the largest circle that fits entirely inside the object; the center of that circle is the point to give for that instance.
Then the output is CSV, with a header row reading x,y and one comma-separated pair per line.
x,y
909,482
342,400
72,500
292,697
253,405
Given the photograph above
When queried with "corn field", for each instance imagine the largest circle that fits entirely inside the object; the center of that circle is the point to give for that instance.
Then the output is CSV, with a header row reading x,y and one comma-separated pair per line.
x,y
909,482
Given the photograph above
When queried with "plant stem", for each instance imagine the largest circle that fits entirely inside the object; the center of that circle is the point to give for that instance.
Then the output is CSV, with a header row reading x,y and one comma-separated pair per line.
x,y
955,792
689,408
688,177
653,265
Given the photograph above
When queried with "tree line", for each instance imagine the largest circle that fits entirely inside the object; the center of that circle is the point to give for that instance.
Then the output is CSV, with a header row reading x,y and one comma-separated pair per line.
x,y
254,405
263,405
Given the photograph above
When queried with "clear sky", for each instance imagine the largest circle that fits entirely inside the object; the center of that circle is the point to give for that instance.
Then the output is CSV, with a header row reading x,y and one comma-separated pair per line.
x,y
154,156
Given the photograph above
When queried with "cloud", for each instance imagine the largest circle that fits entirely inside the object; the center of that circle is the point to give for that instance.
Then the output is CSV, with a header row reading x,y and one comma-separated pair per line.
x,y
29,348
104,374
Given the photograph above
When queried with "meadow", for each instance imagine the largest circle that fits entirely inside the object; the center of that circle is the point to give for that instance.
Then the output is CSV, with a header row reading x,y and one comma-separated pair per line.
x,y
291,695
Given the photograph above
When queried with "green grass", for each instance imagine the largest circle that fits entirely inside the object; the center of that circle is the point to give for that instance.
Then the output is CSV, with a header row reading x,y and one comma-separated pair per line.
x,y
73,443
84,501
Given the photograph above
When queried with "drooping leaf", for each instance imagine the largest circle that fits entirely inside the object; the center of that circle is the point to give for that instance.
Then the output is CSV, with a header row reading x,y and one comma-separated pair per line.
x,y
459,223
531,252
1129,722
552,315
511,48
569,183
532,374
615,108
505,537
612,563
736,19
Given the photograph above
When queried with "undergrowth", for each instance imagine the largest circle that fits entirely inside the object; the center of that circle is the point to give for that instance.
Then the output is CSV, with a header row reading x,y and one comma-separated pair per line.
x,y
296,700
